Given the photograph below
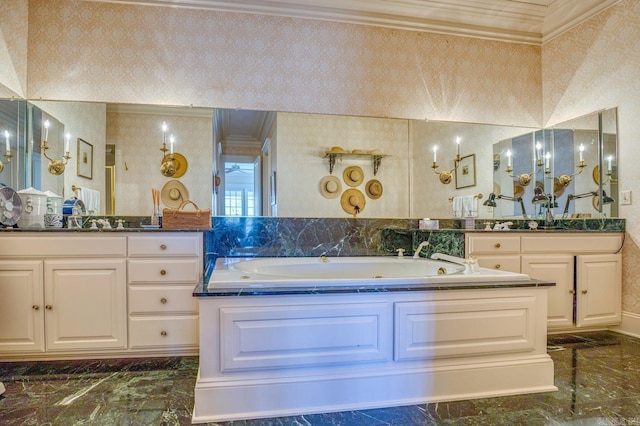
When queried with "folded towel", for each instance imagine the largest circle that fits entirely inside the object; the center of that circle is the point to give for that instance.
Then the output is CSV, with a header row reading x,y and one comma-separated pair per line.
x,y
465,206
91,200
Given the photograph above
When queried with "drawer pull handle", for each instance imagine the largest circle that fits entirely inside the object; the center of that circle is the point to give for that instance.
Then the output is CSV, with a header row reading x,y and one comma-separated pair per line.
x,y
48,307
163,333
35,307
163,300
163,246
497,245
163,272
584,291
497,266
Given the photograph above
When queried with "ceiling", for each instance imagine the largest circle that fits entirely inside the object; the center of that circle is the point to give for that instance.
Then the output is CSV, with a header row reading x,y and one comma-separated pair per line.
x,y
522,21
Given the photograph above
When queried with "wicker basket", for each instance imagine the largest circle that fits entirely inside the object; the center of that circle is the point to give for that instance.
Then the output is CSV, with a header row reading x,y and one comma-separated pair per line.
x,y
186,219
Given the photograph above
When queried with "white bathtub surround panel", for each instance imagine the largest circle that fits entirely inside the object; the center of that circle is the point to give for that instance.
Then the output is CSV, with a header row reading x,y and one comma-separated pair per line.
x,y
244,375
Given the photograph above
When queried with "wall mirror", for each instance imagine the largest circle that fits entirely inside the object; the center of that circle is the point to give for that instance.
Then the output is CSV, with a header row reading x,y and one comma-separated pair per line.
x,y
21,127
133,137
572,163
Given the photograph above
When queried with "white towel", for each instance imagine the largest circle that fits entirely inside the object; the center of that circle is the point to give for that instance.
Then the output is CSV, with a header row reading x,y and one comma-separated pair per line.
x,y
91,200
465,206
457,206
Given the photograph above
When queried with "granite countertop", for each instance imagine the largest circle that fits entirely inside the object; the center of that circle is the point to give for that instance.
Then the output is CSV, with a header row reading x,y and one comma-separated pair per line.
x,y
204,289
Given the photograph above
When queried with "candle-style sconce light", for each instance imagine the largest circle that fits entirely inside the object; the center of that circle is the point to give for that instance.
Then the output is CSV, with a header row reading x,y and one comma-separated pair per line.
x,y
7,152
56,167
565,180
173,164
525,178
168,164
446,176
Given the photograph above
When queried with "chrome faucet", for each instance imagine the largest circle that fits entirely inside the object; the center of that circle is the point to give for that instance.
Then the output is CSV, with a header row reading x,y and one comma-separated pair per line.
x,y
416,254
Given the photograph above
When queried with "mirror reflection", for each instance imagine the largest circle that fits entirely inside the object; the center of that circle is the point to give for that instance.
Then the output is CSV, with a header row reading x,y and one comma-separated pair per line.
x,y
271,164
566,171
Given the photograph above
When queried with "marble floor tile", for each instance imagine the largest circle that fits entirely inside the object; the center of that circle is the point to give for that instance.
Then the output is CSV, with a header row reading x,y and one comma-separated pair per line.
x,y
597,375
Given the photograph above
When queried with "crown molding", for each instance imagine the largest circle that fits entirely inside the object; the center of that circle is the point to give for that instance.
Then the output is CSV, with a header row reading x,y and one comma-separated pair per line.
x,y
522,21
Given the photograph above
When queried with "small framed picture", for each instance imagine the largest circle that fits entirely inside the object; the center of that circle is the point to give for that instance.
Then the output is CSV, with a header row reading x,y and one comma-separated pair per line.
x,y
466,172
85,159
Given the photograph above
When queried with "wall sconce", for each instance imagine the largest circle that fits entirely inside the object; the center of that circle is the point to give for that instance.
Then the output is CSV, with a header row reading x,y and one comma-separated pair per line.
x,y
525,178
56,167
491,201
447,176
168,166
7,153
605,199
565,180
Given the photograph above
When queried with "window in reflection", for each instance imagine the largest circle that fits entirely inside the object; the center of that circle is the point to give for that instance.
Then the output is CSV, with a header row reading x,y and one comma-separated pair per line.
x,y
240,188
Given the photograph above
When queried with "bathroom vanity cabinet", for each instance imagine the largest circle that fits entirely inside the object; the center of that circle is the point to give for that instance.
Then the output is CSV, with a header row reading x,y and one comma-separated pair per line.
x,y
69,294
586,267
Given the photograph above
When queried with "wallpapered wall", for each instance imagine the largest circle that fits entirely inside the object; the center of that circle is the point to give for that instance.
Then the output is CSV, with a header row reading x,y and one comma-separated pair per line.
x,y
13,47
125,53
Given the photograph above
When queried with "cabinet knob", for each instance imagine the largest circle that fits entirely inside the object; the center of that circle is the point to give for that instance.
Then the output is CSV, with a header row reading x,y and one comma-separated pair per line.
x,y
48,307
584,291
163,333
572,292
35,307
163,246
497,245
163,272
163,300
497,266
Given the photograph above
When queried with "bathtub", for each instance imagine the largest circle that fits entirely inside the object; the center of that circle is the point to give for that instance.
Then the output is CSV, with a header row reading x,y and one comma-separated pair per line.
x,y
302,335
353,270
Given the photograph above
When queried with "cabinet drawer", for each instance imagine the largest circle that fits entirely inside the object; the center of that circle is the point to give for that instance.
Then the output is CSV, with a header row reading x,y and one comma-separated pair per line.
x,y
166,270
163,331
165,244
550,243
509,263
162,299
31,245
493,244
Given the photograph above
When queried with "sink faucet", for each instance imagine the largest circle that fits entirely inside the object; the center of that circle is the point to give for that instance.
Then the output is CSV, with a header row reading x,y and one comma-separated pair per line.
x,y
449,258
416,254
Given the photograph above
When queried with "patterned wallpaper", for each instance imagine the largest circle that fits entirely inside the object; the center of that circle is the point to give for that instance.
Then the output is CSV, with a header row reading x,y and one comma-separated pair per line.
x,y
127,53
138,138
13,47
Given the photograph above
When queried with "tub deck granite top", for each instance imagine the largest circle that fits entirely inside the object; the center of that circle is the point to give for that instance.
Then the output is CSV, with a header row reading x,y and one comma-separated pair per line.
x,y
204,289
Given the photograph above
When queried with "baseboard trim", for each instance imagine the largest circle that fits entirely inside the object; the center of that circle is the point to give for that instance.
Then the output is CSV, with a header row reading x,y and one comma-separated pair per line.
x,y
630,325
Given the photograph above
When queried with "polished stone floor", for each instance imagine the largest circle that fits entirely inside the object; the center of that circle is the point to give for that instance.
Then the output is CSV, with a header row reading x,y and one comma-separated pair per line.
x,y
598,376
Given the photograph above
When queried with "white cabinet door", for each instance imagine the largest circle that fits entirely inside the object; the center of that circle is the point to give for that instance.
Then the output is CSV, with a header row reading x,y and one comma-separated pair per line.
x,y
559,269
599,290
85,304
21,307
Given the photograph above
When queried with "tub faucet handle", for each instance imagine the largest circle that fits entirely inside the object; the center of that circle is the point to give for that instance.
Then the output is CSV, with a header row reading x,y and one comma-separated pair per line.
x,y
400,252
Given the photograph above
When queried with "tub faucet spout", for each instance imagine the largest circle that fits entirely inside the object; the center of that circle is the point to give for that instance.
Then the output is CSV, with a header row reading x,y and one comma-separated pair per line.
x,y
449,258
416,254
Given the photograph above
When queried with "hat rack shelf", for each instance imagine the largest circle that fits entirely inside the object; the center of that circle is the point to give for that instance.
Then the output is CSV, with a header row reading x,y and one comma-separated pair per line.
x,y
376,157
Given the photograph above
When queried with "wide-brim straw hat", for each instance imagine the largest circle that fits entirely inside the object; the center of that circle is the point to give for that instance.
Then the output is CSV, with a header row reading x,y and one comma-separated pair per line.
x,y
373,189
330,186
353,201
353,175
173,193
